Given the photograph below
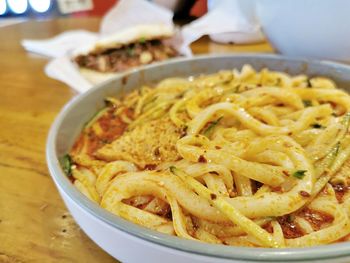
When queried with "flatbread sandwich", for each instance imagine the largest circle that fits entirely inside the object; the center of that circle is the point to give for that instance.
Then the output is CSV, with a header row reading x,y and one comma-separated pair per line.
x,y
132,47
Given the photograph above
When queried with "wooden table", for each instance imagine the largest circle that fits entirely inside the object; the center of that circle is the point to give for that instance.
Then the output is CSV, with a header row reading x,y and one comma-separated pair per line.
x,y
35,226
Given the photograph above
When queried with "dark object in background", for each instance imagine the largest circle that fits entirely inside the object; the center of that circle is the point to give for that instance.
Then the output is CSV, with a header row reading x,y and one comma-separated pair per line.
x,y
28,8
183,9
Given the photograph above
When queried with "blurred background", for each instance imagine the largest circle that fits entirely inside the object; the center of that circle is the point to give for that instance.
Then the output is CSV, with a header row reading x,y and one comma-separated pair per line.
x,y
13,11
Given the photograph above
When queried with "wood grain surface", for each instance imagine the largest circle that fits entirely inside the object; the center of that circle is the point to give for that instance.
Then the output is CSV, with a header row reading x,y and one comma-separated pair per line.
x,y
35,226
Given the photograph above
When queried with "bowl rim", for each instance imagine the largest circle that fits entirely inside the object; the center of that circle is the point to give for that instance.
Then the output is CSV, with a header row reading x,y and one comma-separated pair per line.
x,y
333,251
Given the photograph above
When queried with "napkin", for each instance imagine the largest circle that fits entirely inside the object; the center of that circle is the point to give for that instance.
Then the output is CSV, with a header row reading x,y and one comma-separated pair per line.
x,y
228,21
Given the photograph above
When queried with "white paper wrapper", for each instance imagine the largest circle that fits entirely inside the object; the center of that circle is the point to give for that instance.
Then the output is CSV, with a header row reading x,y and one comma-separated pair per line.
x,y
129,13
63,69
58,46
226,17
228,21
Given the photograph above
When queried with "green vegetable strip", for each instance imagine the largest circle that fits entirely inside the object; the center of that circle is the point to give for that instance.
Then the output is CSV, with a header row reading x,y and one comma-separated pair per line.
x,y
328,161
331,161
334,164
142,40
346,120
307,103
346,123
299,174
208,131
66,163
342,153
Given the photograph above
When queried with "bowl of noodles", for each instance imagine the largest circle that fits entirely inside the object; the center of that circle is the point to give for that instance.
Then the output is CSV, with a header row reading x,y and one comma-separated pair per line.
x,y
230,158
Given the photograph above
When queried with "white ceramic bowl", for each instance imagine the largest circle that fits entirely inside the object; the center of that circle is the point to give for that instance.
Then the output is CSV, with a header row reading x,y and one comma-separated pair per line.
x,y
132,243
307,28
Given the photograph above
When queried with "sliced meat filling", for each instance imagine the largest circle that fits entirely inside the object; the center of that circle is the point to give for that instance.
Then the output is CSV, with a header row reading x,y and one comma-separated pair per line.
x,y
132,55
